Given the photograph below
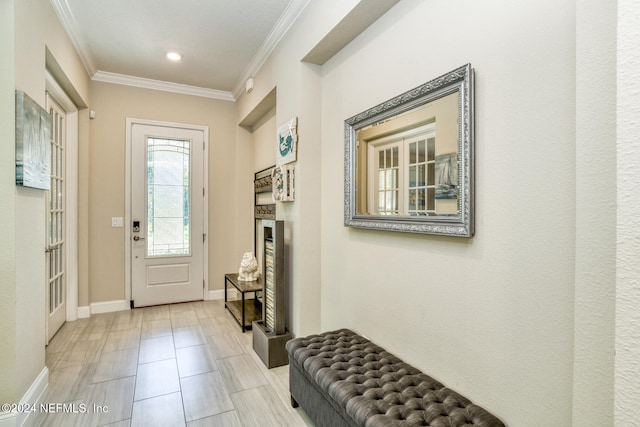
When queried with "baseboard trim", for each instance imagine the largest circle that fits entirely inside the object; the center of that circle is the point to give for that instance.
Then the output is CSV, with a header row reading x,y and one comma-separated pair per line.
x,y
84,312
108,306
219,294
8,419
30,399
121,305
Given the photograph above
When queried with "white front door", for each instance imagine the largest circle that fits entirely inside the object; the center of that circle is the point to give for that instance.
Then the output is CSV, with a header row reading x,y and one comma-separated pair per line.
x,y
167,214
56,224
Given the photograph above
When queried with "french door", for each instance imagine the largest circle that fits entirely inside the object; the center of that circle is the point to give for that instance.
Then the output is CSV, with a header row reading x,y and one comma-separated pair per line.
x,y
56,218
167,214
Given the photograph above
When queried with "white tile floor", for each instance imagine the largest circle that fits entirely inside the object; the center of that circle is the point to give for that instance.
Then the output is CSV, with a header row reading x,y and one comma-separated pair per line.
x,y
174,365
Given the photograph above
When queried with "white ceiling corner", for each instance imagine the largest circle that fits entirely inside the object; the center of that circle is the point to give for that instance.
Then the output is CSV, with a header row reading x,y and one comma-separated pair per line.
x,y
284,24
279,28
61,7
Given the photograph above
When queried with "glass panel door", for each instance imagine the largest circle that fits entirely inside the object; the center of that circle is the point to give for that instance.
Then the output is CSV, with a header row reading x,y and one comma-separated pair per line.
x,y
168,204
167,249
55,252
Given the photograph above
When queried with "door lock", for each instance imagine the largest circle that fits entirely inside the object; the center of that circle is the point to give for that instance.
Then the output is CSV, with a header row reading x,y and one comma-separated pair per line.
x,y
136,238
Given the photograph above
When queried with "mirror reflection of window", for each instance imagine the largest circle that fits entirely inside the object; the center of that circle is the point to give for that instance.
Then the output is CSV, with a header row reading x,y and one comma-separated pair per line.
x,y
421,186
402,179
411,182
400,175
388,168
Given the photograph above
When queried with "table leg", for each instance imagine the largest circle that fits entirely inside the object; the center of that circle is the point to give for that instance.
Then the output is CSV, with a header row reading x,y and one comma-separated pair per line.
x,y
243,315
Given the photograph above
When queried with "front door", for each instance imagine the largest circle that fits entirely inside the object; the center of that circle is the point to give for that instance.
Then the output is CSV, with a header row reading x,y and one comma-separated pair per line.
x,y
167,214
56,218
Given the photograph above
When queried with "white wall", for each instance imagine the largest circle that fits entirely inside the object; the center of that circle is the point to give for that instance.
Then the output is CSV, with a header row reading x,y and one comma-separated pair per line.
x,y
491,316
593,365
627,377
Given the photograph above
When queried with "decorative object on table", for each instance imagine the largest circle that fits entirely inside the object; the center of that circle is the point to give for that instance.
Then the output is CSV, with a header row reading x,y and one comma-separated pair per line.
x,y
283,178
287,142
426,135
33,143
249,271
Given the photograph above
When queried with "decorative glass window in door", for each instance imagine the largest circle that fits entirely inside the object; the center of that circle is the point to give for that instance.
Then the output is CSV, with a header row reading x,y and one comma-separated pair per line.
x,y
168,197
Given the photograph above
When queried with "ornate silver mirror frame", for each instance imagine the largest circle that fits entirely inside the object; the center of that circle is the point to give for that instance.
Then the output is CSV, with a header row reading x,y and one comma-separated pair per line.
x,y
433,204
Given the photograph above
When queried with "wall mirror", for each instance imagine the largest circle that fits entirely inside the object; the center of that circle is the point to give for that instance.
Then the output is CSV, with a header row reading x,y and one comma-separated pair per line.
x,y
409,161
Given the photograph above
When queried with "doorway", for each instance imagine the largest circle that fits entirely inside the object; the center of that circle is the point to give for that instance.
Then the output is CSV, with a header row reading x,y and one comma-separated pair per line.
x,y
167,224
61,210
56,223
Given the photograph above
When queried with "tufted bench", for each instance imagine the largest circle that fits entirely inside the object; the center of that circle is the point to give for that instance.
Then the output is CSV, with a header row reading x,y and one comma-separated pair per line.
x,y
342,379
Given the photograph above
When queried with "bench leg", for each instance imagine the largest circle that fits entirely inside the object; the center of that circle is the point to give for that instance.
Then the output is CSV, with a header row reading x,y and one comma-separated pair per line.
x,y
294,404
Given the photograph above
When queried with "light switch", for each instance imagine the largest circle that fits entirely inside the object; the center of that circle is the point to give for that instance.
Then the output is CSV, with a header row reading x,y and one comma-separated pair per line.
x,y
116,221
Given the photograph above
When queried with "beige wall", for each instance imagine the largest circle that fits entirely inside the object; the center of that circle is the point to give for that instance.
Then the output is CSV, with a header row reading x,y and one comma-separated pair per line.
x,y
520,318
264,137
490,316
8,307
113,104
33,29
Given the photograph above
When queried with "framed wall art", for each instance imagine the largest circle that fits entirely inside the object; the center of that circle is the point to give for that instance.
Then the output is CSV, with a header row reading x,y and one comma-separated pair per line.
x,y
287,142
33,143
283,181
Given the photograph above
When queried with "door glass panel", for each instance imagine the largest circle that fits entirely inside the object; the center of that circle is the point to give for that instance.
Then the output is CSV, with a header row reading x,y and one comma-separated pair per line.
x,y
168,204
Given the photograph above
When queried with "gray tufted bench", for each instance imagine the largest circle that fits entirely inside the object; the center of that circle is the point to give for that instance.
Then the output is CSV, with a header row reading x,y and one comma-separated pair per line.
x,y
342,379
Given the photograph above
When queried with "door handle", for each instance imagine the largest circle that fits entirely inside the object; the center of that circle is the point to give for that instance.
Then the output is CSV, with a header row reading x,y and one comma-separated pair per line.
x,y
51,248
136,238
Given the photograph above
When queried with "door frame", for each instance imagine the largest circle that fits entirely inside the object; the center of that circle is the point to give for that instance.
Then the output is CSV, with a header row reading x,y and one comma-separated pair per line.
x,y
130,122
71,196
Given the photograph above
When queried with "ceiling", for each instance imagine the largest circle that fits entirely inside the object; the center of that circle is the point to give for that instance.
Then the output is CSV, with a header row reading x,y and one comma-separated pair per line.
x,y
223,42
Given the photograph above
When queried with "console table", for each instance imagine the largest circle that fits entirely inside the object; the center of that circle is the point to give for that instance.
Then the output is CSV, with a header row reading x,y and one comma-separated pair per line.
x,y
244,310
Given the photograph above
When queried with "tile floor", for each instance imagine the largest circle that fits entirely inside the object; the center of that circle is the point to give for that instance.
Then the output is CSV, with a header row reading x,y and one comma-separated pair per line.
x,y
173,365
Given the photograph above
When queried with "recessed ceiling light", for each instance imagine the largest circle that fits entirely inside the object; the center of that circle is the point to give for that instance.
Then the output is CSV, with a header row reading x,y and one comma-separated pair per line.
x,y
173,56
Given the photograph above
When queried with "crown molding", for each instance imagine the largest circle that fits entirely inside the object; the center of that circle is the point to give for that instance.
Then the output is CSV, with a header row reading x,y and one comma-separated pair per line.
x,y
121,79
68,21
286,21
284,24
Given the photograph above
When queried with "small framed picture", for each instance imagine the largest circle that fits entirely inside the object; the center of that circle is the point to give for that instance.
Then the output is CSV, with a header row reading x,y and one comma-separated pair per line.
x,y
283,183
33,143
287,142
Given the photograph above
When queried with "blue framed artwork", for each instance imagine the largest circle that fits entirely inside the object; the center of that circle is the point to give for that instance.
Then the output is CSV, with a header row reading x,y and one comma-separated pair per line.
x,y
33,143
287,142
